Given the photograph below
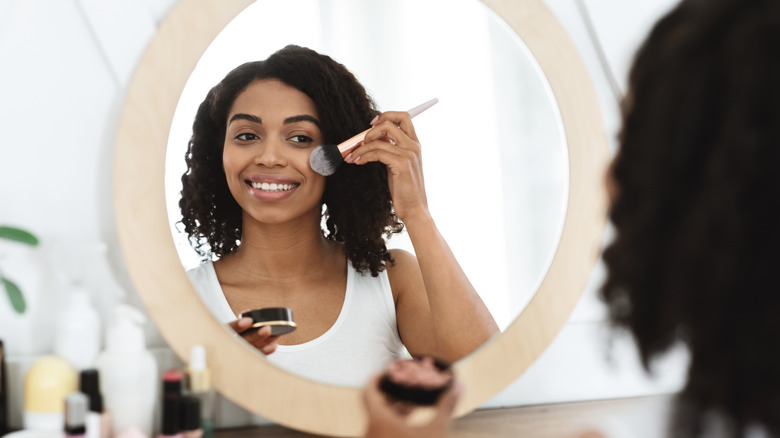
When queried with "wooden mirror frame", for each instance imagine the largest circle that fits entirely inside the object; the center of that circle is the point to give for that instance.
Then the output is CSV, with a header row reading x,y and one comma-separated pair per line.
x,y
242,374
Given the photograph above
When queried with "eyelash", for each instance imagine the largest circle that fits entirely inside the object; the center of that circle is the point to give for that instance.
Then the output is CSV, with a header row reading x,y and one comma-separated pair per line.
x,y
248,136
306,139
244,134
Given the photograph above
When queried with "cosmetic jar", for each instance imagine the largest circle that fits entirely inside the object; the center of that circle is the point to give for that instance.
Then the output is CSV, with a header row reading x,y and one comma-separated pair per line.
x,y
280,319
419,381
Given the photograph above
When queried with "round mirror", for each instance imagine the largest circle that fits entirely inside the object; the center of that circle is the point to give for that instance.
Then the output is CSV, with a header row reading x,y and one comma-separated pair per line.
x,y
496,185
245,376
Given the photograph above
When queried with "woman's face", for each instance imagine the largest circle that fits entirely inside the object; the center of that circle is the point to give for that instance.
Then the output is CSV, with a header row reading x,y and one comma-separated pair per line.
x,y
272,129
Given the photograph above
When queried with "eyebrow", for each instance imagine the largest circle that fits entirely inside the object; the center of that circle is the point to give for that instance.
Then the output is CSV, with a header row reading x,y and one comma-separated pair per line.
x,y
242,116
293,119
302,118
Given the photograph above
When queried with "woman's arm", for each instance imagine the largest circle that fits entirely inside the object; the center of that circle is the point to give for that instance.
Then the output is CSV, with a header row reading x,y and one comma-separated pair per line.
x,y
438,310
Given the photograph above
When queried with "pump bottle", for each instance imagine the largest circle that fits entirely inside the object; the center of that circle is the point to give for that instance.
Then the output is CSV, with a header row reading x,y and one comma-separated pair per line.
x,y
77,339
128,374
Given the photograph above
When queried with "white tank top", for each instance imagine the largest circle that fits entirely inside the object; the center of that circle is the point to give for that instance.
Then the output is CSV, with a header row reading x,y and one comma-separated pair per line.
x,y
362,341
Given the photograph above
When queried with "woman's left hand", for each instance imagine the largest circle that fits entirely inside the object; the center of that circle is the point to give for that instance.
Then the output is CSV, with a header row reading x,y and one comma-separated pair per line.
x,y
392,141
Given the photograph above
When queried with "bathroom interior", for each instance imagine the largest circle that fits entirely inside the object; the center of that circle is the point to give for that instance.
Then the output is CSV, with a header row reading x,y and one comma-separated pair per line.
x,y
98,98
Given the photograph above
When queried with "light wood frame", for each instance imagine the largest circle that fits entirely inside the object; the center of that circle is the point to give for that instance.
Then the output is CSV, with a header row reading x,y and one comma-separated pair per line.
x,y
240,373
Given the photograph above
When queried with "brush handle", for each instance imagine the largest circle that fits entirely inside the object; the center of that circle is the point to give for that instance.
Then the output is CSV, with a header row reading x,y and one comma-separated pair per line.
x,y
347,146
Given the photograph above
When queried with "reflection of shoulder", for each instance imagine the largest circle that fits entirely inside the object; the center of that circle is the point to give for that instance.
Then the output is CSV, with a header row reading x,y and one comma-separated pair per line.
x,y
403,271
402,259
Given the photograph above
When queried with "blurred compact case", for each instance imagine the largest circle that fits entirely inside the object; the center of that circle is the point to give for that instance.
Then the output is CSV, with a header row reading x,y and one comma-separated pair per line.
x,y
419,381
280,319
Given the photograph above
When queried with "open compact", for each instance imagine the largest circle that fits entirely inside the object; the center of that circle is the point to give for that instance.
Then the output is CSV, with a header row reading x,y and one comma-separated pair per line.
x,y
417,381
280,319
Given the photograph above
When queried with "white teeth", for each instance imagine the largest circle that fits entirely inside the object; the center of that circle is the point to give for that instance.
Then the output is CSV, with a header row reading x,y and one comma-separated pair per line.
x,y
273,187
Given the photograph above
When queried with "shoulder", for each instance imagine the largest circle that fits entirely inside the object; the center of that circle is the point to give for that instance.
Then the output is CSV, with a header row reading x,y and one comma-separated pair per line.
x,y
402,272
402,261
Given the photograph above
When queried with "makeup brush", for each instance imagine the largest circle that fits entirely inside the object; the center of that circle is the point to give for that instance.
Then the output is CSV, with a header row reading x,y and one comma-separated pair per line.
x,y
325,159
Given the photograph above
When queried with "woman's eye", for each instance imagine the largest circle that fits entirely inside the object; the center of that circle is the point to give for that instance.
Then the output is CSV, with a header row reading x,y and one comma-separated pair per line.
x,y
246,136
301,139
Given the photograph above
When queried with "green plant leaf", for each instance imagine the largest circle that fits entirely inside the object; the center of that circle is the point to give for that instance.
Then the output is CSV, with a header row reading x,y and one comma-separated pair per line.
x,y
18,235
14,295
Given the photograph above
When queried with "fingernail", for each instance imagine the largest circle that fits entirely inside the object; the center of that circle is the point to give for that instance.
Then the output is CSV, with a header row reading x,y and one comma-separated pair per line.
x,y
348,157
356,160
374,120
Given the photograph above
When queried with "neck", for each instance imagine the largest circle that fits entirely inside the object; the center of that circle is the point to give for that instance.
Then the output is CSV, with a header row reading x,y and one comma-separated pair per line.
x,y
283,251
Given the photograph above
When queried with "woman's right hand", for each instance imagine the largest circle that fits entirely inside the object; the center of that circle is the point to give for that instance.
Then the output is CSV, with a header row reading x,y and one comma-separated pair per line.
x,y
259,338
386,421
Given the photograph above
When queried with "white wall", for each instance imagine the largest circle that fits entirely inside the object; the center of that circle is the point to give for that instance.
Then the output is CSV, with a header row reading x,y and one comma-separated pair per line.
x,y
63,68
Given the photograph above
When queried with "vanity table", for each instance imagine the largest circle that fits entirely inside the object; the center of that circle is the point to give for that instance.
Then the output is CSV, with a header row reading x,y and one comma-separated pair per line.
x,y
638,417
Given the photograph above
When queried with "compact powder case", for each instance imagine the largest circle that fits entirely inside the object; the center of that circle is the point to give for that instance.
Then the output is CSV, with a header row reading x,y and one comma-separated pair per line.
x,y
416,393
280,319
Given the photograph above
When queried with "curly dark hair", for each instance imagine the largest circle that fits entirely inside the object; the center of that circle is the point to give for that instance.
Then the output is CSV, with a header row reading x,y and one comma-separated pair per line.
x,y
358,208
697,211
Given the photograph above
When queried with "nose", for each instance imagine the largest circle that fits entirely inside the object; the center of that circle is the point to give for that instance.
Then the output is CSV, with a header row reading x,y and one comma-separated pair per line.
x,y
270,153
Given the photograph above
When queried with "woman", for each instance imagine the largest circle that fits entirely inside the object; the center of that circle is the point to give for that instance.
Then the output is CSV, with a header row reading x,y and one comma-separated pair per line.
x,y
251,201
695,208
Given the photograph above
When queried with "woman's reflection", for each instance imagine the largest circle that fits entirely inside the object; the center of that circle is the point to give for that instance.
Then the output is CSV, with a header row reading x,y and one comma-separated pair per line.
x,y
285,236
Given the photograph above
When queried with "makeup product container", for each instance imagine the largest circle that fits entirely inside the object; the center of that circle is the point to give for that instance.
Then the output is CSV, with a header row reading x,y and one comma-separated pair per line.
x,y
98,421
171,403
280,319
172,383
416,382
199,386
171,409
77,338
47,382
190,421
128,374
76,406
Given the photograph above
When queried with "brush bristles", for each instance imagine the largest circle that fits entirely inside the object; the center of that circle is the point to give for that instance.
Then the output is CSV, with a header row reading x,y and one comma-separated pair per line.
x,y
325,159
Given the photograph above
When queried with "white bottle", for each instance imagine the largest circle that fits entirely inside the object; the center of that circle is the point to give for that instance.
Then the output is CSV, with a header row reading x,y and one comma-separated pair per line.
x,y
77,338
128,374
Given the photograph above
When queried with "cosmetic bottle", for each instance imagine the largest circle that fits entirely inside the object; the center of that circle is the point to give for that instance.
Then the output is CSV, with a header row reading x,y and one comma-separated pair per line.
x,y
190,421
199,386
3,393
128,374
172,385
76,406
170,418
98,421
47,382
171,398
77,339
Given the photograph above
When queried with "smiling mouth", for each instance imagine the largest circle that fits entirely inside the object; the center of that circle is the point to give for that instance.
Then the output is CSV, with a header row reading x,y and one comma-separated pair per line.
x,y
272,187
